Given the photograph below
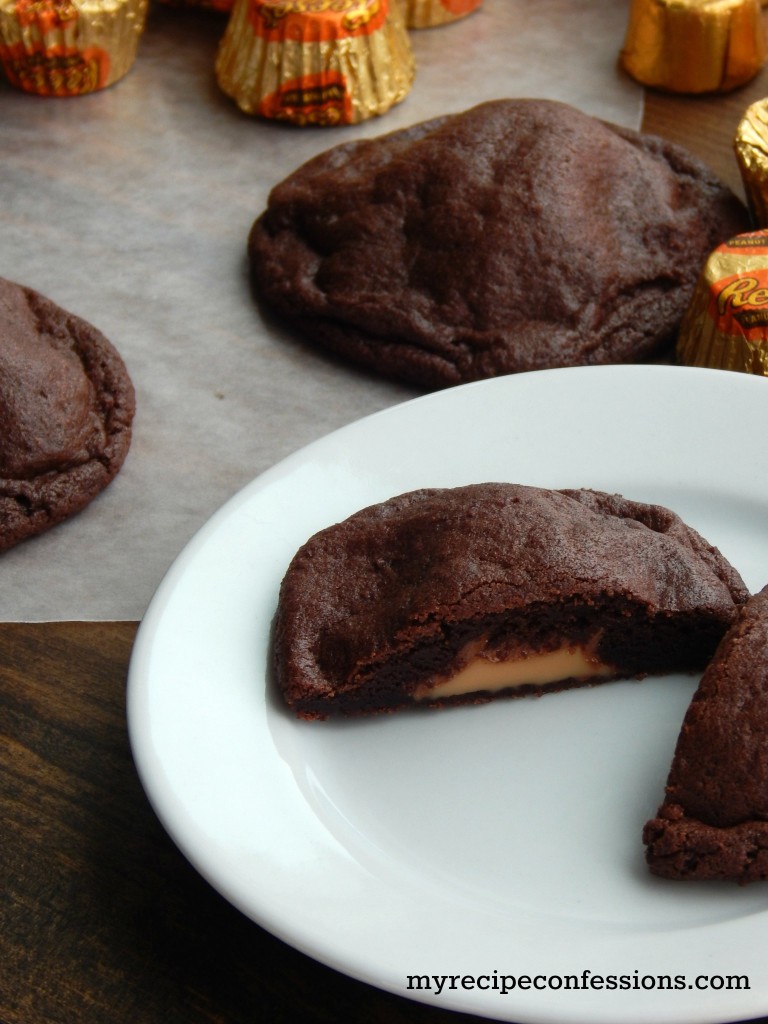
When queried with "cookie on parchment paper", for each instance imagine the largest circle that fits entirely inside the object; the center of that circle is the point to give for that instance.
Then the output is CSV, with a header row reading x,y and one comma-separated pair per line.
x,y
517,235
66,411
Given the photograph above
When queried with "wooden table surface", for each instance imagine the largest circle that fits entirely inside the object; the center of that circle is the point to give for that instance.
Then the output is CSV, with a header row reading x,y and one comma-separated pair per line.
x,y
102,919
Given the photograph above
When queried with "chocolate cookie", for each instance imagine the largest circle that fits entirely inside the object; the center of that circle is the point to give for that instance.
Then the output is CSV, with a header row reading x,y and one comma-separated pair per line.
x,y
458,595
66,409
713,823
519,235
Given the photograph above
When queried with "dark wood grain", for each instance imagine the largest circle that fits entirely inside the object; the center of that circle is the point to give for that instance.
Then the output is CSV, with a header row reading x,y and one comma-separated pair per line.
x,y
706,125
103,921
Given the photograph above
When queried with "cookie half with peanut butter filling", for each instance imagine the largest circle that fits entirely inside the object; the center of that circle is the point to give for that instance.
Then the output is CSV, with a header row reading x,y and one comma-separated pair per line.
x,y
66,411
461,595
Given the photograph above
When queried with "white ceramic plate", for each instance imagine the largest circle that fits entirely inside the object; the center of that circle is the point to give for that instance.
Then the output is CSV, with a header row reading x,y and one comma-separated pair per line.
x,y
482,843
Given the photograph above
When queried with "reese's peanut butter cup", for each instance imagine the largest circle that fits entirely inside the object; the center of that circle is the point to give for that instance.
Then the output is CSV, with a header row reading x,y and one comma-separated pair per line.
x,y
726,325
321,62
751,145
694,46
69,47
427,13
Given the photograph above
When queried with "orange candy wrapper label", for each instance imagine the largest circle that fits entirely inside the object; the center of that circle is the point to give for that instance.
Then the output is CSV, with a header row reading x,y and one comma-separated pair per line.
x,y
315,62
55,70
430,13
317,99
44,13
726,325
276,20
69,47
460,7
741,305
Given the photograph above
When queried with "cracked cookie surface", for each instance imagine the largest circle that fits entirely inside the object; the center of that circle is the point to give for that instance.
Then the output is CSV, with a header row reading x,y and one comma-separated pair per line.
x,y
66,411
517,235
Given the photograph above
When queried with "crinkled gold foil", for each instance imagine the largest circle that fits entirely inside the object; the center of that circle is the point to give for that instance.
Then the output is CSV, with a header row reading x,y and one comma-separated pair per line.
x,y
69,47
726,324
322,62
429,13
751,146
694,46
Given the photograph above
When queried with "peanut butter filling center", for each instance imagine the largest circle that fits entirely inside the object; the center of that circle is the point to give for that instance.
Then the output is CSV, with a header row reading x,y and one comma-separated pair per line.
x,y
523,669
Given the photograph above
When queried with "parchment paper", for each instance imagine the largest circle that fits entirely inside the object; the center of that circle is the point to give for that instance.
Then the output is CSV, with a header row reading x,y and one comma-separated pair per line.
x,y
131,208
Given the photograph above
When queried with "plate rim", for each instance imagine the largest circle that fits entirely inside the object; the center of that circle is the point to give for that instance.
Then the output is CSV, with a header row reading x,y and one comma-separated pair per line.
x,y
152,621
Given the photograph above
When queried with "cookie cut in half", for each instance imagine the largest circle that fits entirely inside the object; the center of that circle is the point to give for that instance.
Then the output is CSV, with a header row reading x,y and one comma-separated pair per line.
x,y
713,823
521,234
66,411
458,595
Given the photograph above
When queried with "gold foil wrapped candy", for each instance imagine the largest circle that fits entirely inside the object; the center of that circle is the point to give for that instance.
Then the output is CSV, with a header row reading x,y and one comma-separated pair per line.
x,y
324,62
726,324
751,145
427,13
69,47
694,46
